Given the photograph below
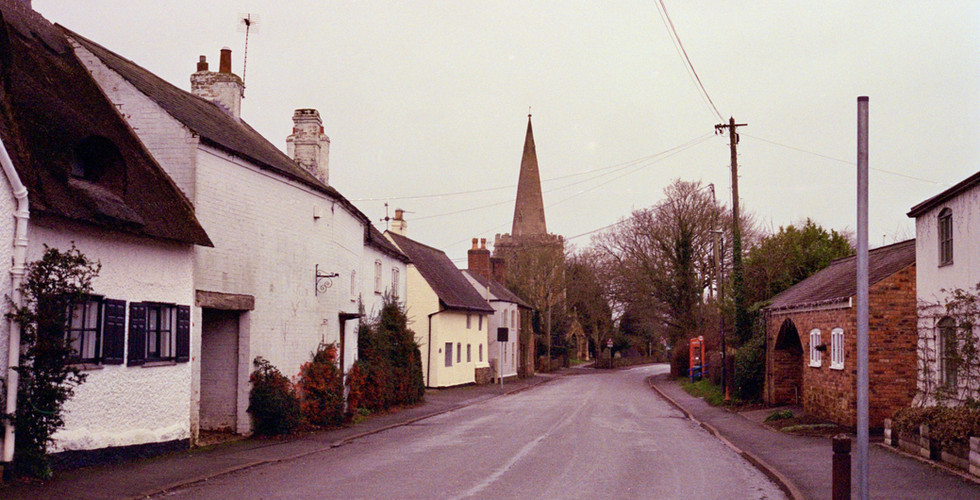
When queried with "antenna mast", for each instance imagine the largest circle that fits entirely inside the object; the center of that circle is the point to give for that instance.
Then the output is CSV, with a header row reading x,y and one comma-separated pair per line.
x,y
246,22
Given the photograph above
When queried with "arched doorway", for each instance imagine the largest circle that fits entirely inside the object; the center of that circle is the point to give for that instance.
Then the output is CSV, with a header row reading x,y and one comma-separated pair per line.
x,y
786,375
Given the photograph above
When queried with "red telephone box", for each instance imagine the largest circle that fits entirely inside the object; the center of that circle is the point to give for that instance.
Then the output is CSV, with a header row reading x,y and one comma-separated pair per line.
x,y
696,362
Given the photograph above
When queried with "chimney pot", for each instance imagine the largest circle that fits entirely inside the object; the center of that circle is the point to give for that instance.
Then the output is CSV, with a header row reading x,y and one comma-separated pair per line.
x,y
474,244
202,64
483,243
398,214
224,66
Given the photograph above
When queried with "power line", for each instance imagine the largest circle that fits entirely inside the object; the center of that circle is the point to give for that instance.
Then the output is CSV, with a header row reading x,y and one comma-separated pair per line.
x,y
683,53
848,162
643,163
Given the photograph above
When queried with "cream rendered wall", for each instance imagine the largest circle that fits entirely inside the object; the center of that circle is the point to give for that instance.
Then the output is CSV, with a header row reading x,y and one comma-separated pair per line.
x,y
119,405
450,326
420,302
931,279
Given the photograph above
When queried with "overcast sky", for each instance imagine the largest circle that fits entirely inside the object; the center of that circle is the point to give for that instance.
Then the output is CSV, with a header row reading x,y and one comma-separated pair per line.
x,y
430,98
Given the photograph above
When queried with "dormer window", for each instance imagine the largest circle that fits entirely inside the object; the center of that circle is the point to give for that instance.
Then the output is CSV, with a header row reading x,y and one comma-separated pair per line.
x,y
95,158
945,237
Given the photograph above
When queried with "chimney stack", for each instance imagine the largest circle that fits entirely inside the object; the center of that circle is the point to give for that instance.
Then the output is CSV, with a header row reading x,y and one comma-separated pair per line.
x,y
478,258
308,145
398,224
498,267
224,66
224,88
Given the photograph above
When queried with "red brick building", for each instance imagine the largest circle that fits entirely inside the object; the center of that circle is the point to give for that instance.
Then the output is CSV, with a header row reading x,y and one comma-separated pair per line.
x,y
811,344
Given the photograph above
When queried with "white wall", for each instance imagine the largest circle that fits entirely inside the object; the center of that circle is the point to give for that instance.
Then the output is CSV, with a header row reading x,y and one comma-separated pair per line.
x,y
7,208
119,405
167,140
268,244
450,326
931,279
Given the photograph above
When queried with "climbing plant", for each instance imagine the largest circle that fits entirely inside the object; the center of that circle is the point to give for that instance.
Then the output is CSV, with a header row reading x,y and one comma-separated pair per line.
x,y
51,287
949,353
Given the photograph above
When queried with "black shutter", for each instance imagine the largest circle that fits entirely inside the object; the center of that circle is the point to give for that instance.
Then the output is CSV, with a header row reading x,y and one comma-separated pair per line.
x,y
114,332
137,334
183,333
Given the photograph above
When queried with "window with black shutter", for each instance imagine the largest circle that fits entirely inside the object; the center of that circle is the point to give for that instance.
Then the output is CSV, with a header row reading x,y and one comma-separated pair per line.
x,y
137,334
183,339
113,331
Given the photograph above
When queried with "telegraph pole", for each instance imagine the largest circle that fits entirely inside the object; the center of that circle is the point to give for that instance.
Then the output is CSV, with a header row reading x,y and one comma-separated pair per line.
x,y
738,294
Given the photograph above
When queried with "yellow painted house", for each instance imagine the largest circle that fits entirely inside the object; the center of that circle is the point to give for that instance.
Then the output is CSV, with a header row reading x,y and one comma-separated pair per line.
x,y
449,317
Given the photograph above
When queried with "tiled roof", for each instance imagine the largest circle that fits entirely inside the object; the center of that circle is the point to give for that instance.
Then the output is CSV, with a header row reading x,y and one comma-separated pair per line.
x,y
213,124
838,281
378,241
497,290
53,116
449,284
935,201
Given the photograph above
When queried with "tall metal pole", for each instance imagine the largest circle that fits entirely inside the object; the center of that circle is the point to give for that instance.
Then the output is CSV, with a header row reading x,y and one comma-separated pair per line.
x,y
862,296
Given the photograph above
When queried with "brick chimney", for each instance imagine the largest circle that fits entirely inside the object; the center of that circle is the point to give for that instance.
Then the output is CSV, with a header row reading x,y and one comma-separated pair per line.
x,y
498,267
308,145
224,88
398,224
478,258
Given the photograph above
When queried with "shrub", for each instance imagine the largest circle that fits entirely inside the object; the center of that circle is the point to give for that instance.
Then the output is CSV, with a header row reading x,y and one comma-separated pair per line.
x,y
321,388
389,367
51,287
750,368
947,425
272,402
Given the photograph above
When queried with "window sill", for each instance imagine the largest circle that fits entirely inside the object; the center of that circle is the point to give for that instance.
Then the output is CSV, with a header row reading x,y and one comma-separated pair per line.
x,y
837,367
86,367
945,264
162,362
815,365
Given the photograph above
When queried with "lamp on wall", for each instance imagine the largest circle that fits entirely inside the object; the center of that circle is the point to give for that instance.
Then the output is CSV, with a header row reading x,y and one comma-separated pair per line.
x,y
323,281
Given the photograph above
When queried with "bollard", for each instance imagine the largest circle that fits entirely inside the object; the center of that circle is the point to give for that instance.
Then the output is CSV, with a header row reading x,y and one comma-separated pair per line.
x,y
842,467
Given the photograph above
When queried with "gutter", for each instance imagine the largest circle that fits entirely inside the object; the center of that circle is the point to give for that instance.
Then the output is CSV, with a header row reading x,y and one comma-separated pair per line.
x,y
21,217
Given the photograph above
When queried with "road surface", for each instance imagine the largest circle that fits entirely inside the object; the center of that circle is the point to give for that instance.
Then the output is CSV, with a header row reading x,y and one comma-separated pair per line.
x,y
594,435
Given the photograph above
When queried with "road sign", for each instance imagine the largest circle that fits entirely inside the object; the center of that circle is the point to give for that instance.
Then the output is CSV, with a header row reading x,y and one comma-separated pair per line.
x,y
609,343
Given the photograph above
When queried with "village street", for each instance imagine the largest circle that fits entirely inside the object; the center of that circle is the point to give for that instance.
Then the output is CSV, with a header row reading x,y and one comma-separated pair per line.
x,y
593,435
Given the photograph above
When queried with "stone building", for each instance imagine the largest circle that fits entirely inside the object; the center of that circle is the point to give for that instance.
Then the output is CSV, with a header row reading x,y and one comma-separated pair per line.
x,y
811,339
530,253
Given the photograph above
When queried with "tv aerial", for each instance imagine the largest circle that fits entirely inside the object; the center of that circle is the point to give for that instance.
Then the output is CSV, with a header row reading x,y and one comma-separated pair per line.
x,y
247,23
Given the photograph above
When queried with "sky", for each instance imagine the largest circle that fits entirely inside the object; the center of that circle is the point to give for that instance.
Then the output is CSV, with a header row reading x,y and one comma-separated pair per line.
x,y
426,103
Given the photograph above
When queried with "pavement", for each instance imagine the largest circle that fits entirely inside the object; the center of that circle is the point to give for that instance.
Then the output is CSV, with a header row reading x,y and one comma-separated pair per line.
x,y
801,465
148,477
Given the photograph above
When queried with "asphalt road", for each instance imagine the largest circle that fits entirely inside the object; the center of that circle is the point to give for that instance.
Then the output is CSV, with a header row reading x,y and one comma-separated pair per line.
x,y
595,435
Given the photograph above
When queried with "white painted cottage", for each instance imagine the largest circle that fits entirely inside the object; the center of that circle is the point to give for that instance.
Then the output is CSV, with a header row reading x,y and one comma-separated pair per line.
x,y
74,173
503,341
947,257
449,317
292,258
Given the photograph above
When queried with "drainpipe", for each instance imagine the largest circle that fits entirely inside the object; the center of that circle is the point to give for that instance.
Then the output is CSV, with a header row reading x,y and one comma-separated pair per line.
x,y
16,276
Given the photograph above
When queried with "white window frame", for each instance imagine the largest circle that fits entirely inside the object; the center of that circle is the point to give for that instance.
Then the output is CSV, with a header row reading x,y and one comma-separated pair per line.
x,y
377,277
837,349
85,323
353,286
815,355
394,280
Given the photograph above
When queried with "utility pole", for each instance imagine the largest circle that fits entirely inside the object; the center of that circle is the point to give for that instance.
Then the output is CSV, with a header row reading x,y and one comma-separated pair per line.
x,y
738,294
718,295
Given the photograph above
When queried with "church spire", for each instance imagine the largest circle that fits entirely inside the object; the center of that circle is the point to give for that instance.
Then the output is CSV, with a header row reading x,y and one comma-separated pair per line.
x,y
529,208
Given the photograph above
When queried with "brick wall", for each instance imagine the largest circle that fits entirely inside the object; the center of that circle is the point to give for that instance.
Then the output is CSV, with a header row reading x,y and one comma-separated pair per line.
x,y
831,393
